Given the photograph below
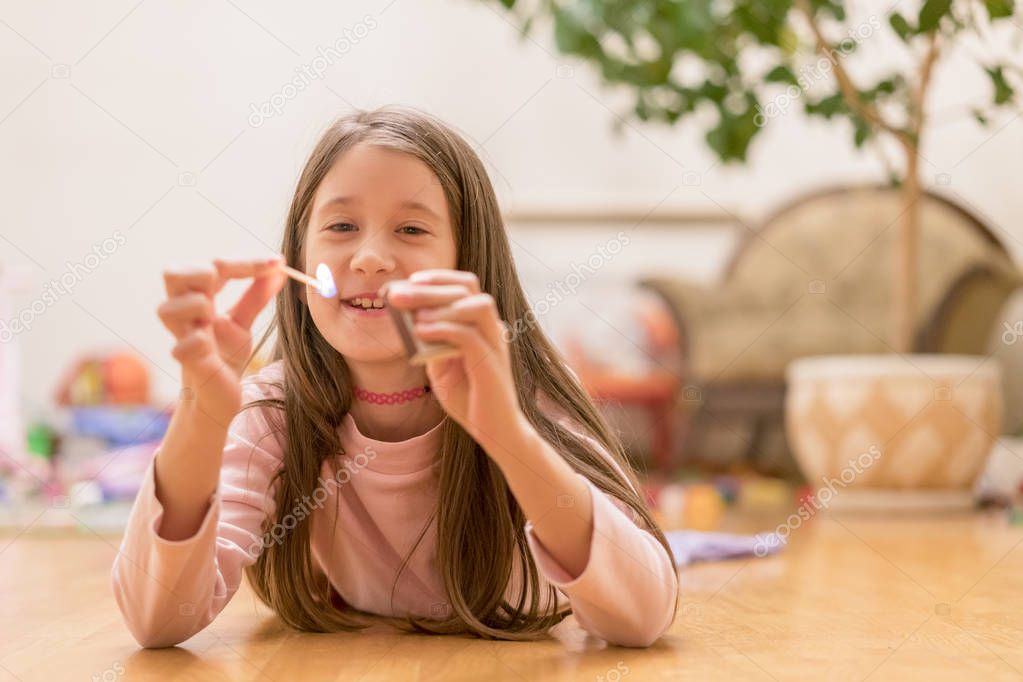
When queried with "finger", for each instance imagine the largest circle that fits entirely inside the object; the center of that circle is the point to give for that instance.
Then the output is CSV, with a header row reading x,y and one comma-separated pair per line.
x,y
463,336
264,287
234,344
412,296
440,276
184,313
202,278
241,269
194,349
479,310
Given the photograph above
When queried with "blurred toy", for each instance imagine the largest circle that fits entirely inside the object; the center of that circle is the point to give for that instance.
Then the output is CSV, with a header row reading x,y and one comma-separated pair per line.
x,y
704,507
117,475
729,488
77,451
765,493
42,440
696,506
806,499
112,379
109,429
671,505
121,426
108,395
1001,481
12,434
1014,507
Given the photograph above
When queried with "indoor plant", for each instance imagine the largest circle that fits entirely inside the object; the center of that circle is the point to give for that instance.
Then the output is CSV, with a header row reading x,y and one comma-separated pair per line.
x,y
748,55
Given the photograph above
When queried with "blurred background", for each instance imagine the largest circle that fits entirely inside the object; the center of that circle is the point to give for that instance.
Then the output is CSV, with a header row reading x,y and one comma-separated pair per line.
x,y
699,194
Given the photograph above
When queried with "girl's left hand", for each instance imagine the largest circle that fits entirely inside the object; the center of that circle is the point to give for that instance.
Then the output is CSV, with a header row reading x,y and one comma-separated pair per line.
x,y
477,388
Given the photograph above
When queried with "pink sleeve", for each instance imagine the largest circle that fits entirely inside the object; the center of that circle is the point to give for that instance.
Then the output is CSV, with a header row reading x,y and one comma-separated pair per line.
x,y
626,592
169,590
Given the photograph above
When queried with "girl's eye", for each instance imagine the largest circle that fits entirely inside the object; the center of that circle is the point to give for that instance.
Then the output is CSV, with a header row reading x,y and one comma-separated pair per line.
x,y
341,227
411,229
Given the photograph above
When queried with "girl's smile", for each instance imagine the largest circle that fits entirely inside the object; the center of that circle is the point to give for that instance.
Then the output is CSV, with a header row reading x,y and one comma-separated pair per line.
x,y
365,305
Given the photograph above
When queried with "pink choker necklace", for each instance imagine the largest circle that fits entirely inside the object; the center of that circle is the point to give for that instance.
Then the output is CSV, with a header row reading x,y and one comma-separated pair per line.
x,y
395,398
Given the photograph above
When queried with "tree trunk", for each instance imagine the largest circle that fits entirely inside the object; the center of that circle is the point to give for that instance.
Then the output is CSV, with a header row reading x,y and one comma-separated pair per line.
x,y
906,261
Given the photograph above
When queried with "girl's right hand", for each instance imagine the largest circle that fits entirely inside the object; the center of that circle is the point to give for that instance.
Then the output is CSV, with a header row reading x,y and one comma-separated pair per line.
x,y
213,348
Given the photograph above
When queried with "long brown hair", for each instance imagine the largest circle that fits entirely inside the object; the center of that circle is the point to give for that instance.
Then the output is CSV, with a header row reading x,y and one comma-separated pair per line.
x,y
480,526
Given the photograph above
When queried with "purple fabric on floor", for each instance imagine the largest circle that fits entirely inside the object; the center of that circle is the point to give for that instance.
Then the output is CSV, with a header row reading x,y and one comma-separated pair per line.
x,y
691,546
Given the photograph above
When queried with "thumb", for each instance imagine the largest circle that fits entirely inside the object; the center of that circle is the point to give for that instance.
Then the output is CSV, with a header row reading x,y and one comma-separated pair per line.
x,y
255,298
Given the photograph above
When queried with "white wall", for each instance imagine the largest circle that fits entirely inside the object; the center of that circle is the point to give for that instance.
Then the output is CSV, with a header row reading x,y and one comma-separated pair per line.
x,y
109,113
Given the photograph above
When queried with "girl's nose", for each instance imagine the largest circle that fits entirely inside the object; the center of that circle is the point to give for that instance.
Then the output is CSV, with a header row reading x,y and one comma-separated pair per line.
x,y
369,260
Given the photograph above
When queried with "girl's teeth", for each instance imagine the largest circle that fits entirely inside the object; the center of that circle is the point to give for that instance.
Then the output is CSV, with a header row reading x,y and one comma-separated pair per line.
x,y
368,303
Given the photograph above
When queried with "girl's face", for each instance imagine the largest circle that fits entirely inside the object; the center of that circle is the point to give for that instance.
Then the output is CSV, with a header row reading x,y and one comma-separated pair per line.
x,y
378,215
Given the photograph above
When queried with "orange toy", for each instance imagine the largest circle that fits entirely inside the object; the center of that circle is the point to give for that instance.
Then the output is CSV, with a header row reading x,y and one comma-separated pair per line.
x,y
118,378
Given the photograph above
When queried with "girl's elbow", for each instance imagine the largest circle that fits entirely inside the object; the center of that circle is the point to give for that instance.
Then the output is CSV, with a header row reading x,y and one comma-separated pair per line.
x,y
656,623
152,640
147,626
634,638
153,634
645,635
636,629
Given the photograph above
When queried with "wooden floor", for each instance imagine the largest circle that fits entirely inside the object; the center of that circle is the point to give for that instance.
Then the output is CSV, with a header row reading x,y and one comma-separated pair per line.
x,y
849,598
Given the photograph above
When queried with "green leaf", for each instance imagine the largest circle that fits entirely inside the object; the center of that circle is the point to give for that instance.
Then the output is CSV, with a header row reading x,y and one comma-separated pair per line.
x,y
645,74
833,7
827,107
761,20
862,132
642,109
788,41
572,37
781,74
508,4
732,135
901,26
980,117
690,24
999,9
724,140
1003,91
848,46
713,91
931,13
883,88
887,86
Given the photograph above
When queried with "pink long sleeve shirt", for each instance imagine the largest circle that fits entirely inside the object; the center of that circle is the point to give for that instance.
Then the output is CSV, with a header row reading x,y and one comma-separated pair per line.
x,y
365,516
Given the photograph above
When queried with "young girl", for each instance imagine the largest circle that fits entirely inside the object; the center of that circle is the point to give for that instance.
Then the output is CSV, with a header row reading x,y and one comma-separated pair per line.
x,y
481,494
